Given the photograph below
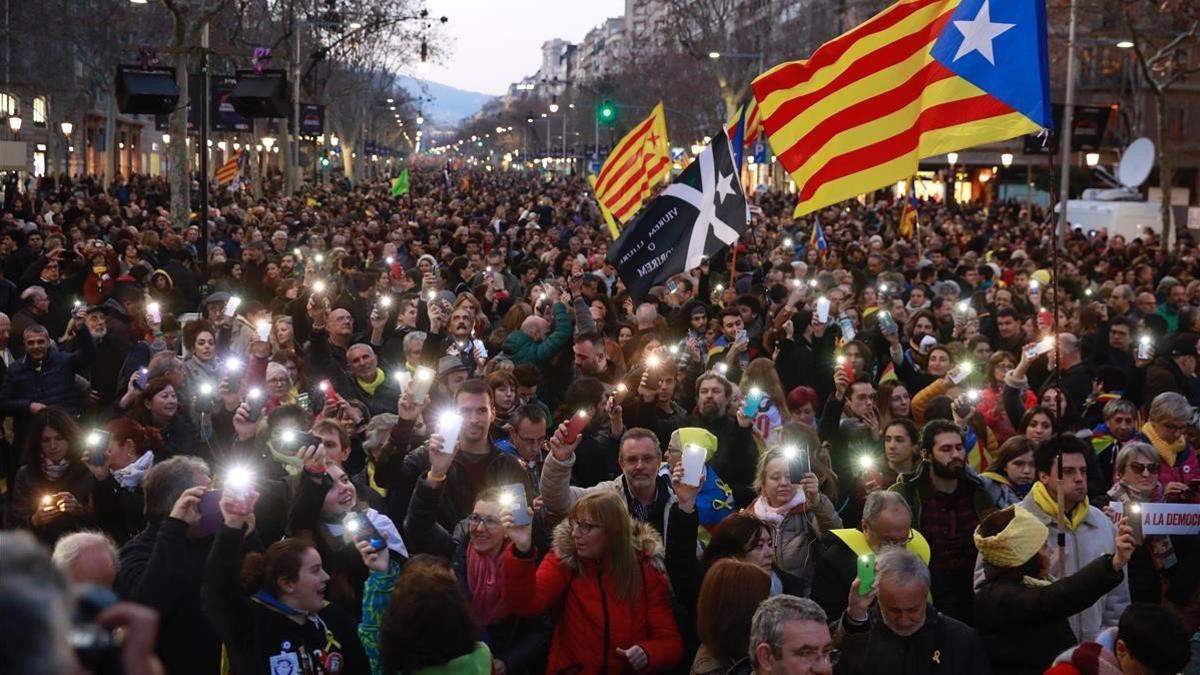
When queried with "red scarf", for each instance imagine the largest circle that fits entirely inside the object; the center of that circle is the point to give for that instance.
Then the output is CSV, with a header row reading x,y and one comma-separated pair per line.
x,y
483,578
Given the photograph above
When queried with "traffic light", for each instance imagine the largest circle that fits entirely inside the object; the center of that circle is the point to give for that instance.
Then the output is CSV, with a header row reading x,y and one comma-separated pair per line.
x,y
606,112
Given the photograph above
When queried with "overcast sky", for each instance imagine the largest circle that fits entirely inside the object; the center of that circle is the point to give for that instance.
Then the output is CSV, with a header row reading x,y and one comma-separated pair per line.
x,y
497,42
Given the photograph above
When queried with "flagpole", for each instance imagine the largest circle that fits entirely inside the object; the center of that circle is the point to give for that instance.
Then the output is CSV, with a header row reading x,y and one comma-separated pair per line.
x,y
1064,133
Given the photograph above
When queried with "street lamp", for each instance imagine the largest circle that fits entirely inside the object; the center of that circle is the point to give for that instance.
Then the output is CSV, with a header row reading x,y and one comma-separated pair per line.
x,y
1006,159
67,128
554,103
714,55
268,142
952,158
334,140
1092,158
166,139
14,123
1125,44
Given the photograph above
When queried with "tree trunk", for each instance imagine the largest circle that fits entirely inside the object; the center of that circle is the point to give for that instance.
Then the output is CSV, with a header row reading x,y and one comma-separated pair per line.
x,y
1165,171
179,170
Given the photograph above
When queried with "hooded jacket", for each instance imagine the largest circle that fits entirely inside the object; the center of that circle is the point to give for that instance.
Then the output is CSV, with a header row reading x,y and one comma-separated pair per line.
x,y
591,620
524,349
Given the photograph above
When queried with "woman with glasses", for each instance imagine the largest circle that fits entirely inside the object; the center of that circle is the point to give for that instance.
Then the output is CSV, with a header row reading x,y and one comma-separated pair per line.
x,y
1178,466
1137,468
604,576
476,548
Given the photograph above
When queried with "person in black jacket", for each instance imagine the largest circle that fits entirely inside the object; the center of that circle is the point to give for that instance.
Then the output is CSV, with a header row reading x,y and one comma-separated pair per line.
x,y
44,377
162,567
51,493
286,625
736,458
475,548
1022,617
117,499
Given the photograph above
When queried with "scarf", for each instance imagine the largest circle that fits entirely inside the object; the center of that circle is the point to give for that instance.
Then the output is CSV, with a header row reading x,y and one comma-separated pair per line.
x,y
1167,451
55,470
483,578
371,386
769,514
130,477
1041,496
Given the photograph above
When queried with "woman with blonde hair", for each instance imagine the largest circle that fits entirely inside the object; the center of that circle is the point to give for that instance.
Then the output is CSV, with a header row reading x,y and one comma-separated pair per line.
x,y
605,575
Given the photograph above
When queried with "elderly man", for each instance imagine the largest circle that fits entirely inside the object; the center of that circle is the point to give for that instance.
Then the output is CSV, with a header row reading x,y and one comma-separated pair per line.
x,y
789,636
87,558
886,523
903,633
368,383
537,342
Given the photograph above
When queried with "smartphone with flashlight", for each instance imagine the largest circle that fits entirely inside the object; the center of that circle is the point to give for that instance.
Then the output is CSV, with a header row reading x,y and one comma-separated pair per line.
x,y
887,325
359,528
255,402
96,447
512,499
210,513
576,425
290,441
866,573
799,466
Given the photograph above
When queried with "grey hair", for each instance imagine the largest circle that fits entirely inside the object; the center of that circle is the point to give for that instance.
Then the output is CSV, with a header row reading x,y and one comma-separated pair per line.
x,y
377,430
767,625
68,549
1127,453
166,480
32,292
901,567
361,345
1170,406
413,337
1123,291
1119,405
33,609
883,500
36,329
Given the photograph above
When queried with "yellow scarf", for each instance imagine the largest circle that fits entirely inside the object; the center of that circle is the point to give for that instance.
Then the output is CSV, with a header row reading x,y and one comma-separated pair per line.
x,y
371,386
1167,451
1049,504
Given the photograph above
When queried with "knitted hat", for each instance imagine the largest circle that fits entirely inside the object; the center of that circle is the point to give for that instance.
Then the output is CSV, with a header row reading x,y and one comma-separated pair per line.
x,y
1016,544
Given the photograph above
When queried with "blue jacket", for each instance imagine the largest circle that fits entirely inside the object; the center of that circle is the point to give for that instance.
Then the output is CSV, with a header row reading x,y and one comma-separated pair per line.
x,y
53,383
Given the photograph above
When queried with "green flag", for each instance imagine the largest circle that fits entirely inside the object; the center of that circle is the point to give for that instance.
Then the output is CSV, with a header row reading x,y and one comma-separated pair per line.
x,y
400,184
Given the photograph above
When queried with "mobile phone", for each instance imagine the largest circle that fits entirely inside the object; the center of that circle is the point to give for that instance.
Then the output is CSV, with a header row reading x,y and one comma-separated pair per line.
x,y
693,460
866,573
143,378
1145,348
799,466
96,447
754,399
255,402
672,286
290,441
512,499
742,335
823,309
359,528
210,513
576,425
1038,348
887,325
847,327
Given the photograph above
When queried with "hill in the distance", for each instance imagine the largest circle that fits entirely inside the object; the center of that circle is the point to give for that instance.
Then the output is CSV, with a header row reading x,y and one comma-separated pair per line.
x,y
449,103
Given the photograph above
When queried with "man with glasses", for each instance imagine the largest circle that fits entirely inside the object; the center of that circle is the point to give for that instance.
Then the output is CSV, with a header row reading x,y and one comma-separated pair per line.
x,y
1089,533
527,439
902,632
886,522
789,636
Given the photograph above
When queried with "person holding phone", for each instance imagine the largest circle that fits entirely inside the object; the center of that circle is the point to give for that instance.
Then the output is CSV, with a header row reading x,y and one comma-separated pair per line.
x,y
51,493
604,571
1138,483
127,453
798,512
1179,467
475,548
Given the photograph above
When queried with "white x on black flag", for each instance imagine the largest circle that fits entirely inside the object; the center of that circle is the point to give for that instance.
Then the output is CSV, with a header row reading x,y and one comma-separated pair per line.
x,y
703,211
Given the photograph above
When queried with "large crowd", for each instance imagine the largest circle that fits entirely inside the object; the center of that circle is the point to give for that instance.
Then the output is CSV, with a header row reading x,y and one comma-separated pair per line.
x,y
435,434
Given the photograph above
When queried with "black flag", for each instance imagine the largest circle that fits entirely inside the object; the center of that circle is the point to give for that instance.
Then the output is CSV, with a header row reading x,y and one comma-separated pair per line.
x,y
703,211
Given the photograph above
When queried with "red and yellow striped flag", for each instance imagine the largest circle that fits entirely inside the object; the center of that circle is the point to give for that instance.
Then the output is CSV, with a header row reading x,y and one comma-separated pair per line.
x,y
753,123
921,78
230,169
639,161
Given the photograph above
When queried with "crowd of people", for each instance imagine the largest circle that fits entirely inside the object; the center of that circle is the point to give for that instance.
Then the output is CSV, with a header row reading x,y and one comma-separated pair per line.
x,y
435,434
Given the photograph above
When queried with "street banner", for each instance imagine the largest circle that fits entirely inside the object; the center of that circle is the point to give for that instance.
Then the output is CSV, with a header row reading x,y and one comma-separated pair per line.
x,y
1167,518
919,79
695,217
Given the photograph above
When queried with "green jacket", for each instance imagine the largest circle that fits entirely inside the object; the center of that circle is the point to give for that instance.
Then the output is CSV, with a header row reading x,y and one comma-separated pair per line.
x,y
524,349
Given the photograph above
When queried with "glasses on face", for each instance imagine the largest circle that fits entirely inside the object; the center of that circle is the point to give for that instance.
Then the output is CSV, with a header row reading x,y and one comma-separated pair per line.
x,y
490,522
1177,427
810,655
583,526
532,441
1143,469
897,542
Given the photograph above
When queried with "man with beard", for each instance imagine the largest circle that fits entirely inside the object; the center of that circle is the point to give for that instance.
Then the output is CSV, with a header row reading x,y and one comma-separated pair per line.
x,y
592,361
1089,533
461,472
736,458
947,504
902,633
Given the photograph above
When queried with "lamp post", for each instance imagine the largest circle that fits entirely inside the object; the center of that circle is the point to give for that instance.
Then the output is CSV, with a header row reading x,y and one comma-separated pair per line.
x,y
952,160
14,124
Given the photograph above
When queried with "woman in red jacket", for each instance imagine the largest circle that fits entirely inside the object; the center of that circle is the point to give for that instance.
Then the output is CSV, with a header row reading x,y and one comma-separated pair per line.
x,y
604,578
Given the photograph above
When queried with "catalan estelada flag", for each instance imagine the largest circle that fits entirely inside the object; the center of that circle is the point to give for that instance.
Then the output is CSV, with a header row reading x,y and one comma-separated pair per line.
x,y
908,215
639,161
921,78
817,240
230,169
752,126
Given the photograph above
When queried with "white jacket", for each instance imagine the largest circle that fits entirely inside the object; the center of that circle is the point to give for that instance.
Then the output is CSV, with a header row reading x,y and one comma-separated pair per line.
x,y
1092,539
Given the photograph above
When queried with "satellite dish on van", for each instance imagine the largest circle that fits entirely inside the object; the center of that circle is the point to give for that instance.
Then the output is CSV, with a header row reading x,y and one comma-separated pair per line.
x,y
1136,163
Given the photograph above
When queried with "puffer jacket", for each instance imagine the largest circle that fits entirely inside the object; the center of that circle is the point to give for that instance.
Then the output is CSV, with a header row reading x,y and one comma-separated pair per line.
x,y
591,620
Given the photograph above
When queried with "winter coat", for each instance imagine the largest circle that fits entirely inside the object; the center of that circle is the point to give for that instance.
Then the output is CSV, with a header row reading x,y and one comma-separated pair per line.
x,y
1028,645
524,349
1186,469
798,538
458,498
1092,539
591,620
164,569
942,645
259,634
30,484
118,511
52,382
